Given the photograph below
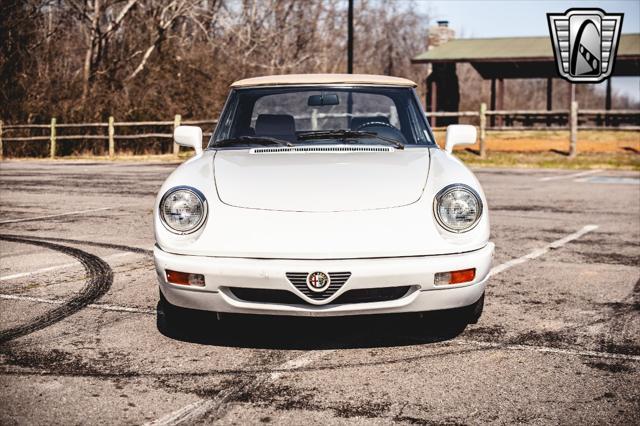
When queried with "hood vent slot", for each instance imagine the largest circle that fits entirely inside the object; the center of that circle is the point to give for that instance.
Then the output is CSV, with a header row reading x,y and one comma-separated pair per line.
x,y
321,149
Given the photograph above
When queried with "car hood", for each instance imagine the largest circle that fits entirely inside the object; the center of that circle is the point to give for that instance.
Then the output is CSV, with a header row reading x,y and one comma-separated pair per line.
x,y
321,179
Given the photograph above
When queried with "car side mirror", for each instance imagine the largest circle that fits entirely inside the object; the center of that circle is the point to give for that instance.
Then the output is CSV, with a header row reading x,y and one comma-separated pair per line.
x,y
189,136
460,134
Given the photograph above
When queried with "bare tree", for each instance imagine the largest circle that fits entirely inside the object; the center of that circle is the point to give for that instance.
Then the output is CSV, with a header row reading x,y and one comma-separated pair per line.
x,y
147,59
99,23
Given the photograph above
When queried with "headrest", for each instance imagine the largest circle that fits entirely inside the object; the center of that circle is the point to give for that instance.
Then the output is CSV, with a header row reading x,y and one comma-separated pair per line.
x,y
275,124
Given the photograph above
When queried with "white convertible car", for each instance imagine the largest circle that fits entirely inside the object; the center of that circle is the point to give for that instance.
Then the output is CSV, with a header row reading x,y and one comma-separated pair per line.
x,y
322,195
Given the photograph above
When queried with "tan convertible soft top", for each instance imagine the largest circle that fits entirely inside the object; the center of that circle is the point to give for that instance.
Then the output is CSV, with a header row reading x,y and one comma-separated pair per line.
x,y
309,79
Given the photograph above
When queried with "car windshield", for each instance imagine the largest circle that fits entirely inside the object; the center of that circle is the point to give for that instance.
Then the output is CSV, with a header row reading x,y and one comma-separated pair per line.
x,y
327,115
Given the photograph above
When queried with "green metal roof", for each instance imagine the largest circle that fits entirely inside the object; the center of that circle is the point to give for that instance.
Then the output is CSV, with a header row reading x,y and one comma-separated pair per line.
x,y
511,48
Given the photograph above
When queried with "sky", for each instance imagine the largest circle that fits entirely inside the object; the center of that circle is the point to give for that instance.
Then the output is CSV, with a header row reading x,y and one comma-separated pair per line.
x,y
508,18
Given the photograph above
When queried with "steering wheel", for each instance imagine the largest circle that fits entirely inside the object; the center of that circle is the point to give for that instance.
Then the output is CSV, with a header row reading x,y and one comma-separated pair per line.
x,y
383,129
375,123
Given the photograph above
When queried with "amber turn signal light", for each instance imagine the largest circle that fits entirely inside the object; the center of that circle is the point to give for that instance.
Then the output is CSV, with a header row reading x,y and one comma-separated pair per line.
x,y
455,277
185,278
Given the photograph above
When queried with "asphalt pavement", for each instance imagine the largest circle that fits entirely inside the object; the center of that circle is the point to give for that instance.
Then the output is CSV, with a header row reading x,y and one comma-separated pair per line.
x,y
80,339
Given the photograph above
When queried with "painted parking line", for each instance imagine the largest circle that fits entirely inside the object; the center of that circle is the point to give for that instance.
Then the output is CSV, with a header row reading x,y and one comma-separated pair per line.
x,y
104,307
542,250
57,267
569,176
611,180
51,216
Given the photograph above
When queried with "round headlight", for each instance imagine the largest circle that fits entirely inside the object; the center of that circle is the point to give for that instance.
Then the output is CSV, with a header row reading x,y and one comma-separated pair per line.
x,y
183,210
457,208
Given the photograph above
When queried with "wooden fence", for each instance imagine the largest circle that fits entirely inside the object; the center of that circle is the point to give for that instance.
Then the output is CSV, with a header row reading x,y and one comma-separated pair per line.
x,y
604,118
111,125
496,122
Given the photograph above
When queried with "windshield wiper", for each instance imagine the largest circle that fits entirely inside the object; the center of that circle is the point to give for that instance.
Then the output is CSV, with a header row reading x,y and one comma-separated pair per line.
x,y
260,140
349,134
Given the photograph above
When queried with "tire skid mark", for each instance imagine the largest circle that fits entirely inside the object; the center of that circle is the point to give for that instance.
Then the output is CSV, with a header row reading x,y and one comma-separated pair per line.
x,y
83,242
55,267
619,337
215,408
253,386
34,363
214,405
24,363
100,306
98,282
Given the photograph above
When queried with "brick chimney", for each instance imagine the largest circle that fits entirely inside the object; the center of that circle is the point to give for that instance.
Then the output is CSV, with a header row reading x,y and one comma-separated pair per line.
x,y
440,34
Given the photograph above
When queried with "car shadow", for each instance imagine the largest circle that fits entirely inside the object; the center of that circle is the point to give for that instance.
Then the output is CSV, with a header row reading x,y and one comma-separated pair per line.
x,y
303,333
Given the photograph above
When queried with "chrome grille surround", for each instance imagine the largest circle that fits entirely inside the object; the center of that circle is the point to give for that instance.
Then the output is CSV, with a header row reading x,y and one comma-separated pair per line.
x,y
336,281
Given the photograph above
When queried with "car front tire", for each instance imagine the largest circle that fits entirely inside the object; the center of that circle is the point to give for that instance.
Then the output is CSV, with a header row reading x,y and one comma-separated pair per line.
x,y
453,321
474,312
173,318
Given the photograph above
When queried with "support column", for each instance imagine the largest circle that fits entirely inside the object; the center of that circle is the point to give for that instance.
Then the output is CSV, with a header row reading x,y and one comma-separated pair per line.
x,y
492,102
444,93
500,100
434,101
549,99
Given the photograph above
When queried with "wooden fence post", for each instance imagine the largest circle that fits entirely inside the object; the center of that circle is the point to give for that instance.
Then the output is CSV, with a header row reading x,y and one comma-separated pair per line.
x,y
52,138
112,142
1,151
573,138
483,127
176,123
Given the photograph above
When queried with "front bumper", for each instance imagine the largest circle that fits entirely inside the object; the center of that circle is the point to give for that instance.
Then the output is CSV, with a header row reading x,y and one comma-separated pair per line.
x,y
418,272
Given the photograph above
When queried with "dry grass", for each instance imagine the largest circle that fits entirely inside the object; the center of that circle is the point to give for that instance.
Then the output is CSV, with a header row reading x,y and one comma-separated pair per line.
x,y
558,141
554,160
147,158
